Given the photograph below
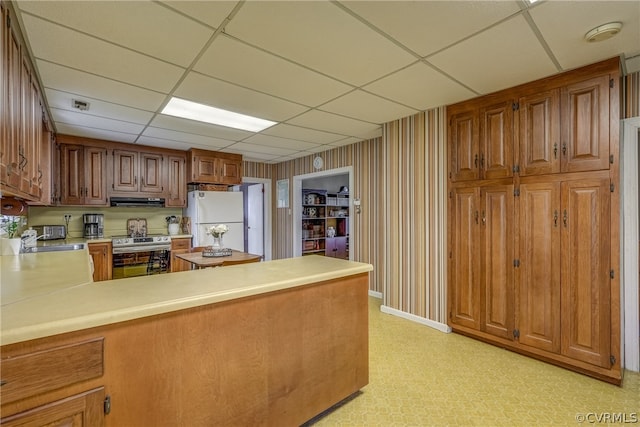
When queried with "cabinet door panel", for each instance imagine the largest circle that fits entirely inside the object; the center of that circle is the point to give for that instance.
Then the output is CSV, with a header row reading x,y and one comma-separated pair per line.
x,y
176,185
204,169
95,192
14,71
230,171
465,268
586,310
72,175
540,133
464,147
497,262
125,170
585,139
151,169
85,409
496,141
539,272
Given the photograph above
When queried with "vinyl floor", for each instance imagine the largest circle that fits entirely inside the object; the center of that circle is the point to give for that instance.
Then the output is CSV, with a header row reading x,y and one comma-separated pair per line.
x,y
422,377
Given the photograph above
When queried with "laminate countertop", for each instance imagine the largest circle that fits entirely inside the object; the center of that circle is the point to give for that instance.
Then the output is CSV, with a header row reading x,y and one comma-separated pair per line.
x,y
50,293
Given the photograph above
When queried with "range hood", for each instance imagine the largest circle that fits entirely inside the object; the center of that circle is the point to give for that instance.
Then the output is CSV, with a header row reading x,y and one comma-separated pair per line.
x,y
137,202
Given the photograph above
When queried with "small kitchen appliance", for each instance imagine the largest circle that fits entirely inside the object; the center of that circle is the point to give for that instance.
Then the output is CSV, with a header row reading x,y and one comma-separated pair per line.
x,y
93,225
51,232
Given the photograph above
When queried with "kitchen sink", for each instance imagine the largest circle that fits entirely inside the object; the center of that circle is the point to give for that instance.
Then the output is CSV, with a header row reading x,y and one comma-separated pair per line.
x,y
54,248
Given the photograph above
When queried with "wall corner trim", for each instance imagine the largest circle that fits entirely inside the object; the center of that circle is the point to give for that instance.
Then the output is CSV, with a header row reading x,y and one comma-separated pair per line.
x,y
427,322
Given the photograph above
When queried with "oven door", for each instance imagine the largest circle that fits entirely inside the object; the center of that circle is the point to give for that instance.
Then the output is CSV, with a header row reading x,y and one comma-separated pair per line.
x,y
140,262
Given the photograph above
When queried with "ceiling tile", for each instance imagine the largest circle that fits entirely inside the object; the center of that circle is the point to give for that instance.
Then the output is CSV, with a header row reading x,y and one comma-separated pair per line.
x,y
199,128
421,87
187,138
80,118
428,26
273,141
212,13
321,120
320,36
296,132
76,50
64,101
276,77
84,84
633,64
143,26
256,148
217,93
364,106
165,143
500,57
107,135
346,141
564,25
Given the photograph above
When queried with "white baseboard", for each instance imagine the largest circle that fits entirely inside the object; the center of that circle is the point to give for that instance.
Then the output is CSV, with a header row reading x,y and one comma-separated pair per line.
x,y
375,294
427,322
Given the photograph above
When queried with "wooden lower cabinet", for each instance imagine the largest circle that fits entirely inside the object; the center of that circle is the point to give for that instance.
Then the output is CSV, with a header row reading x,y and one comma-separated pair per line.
x,y
180,245
102,256
47,385
220,364
482,293
81,410
546,290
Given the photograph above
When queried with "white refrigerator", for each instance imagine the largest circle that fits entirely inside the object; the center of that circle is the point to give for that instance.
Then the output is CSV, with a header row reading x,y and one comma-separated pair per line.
x,y
208,208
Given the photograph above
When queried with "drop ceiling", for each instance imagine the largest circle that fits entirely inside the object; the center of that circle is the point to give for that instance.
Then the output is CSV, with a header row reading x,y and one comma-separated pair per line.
x,y
330,73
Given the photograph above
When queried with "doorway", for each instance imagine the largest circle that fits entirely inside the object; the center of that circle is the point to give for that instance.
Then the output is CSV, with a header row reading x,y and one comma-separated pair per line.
x,y
257,216
332,180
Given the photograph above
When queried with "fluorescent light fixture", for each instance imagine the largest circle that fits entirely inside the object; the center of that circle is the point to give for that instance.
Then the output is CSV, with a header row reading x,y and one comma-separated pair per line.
x,y
203,113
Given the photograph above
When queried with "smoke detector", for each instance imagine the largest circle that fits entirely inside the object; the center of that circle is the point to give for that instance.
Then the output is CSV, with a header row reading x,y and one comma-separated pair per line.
x,y
603,32
80,105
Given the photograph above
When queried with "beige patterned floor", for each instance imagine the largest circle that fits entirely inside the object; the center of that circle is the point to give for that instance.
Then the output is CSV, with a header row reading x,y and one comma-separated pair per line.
x,y
421,377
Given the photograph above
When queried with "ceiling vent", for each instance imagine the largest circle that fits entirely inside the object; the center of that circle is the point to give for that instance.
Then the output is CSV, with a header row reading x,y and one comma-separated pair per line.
x,y
80,105
603,32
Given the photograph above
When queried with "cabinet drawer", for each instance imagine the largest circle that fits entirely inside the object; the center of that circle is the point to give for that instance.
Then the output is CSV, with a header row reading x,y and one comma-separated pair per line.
x,y
43,371
180,244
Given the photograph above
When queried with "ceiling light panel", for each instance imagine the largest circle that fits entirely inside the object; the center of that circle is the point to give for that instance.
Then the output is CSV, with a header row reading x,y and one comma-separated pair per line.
x,y
204,113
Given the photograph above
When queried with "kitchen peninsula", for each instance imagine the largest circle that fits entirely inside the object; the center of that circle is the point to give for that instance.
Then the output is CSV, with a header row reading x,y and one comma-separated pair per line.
x,y
271,343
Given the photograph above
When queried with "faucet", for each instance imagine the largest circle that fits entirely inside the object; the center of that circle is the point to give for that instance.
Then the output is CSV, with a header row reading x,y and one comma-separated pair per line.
x,y
28,241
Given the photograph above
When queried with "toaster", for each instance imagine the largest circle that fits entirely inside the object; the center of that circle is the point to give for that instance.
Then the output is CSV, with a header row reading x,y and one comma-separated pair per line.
x,y
51,232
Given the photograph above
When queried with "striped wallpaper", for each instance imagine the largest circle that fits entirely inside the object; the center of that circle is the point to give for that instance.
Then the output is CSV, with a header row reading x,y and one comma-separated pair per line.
x,y
631,98
400,179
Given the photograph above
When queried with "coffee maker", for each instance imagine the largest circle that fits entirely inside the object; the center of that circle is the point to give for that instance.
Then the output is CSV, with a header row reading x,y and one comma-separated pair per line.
x,y
93,225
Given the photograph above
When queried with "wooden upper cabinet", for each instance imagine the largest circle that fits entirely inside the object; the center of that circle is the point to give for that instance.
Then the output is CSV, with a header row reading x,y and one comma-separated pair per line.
x,y
539,125
585,130
464,146
586,284
212,167
496,140
151,173
125,170
13,94
539,282
138,172
83,175
176,181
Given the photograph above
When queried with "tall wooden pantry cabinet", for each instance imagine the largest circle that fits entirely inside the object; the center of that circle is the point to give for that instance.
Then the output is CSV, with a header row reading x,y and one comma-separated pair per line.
x,y
533,230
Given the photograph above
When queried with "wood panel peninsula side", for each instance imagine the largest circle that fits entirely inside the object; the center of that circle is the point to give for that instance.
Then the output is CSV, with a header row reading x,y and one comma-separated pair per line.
x,y
271,343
